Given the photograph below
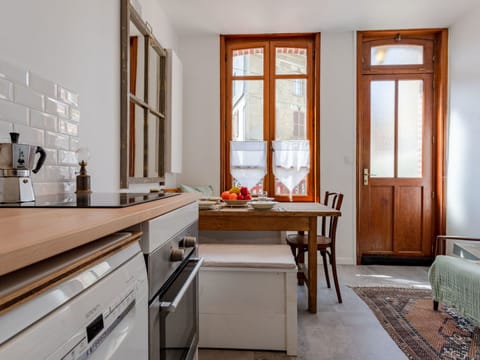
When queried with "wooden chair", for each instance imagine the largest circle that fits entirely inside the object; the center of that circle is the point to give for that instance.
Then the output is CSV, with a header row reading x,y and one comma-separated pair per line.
x,y
325,241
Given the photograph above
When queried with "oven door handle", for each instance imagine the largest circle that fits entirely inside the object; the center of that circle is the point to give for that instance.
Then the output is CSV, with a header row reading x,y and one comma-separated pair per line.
x,y
171,306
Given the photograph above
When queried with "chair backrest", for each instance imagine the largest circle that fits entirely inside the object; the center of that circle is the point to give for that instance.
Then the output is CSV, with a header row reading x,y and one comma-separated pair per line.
x,y
333,200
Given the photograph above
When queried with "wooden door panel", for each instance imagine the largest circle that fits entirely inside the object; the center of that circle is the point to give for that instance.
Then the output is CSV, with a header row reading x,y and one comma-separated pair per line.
x,y
409,220
380,227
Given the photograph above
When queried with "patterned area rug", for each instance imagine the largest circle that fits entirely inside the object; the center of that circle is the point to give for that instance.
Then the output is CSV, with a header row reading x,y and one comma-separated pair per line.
x,y
422,333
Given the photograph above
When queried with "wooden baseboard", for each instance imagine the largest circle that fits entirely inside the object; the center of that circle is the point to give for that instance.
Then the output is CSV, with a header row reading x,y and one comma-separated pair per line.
x,y
396,260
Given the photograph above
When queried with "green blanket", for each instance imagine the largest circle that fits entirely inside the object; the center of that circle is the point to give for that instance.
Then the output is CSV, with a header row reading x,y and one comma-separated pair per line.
x,y
456,282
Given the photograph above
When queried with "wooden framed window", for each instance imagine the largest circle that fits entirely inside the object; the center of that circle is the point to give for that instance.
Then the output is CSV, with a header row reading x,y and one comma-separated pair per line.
x,y
143,101
269,94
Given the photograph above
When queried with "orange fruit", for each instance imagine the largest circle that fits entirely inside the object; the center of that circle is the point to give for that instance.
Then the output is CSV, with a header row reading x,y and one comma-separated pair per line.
x,y
225,195
232,196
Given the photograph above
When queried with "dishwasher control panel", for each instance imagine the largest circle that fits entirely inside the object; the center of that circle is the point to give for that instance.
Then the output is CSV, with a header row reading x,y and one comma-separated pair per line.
x,y
89,338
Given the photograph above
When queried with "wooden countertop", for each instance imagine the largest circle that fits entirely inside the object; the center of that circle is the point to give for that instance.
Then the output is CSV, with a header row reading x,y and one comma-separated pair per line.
x,y
32,234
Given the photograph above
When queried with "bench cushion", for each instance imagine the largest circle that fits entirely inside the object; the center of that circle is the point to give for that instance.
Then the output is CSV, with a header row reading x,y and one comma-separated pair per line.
x,y
456,282
247,255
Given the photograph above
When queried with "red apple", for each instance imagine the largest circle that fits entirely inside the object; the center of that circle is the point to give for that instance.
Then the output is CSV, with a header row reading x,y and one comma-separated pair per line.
x,y
244,190
247,197
240,197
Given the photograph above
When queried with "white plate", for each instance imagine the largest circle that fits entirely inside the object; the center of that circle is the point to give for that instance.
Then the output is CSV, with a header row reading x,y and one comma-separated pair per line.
x,y
263,205
236,203
263,199
206,205
211,198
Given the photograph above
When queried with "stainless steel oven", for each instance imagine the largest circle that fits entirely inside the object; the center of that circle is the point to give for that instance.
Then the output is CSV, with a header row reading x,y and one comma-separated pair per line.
x,y
170,247
174,316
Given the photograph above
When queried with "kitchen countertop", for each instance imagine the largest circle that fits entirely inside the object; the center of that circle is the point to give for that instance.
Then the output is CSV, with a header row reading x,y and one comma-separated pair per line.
x,y
29,235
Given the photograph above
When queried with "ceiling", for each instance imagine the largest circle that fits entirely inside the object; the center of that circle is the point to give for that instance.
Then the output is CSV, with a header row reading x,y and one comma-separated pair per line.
x,y
273,16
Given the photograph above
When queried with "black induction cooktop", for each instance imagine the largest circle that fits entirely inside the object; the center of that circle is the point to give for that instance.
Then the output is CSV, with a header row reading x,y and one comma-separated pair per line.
x,y
93,200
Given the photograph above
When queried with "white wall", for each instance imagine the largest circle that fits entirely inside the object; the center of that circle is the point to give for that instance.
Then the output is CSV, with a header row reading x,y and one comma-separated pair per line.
x,y
201,113
77,44
463,169
338,132
200,56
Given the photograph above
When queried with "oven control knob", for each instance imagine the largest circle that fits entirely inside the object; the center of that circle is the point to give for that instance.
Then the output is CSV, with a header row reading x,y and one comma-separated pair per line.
x,y
177,254
188,242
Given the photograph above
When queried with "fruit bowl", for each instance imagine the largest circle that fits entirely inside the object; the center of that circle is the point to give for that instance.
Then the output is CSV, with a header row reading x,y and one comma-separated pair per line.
x,y
236,203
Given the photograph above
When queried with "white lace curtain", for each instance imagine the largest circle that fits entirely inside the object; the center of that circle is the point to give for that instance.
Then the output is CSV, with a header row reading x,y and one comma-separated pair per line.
x,y
248,161
291,162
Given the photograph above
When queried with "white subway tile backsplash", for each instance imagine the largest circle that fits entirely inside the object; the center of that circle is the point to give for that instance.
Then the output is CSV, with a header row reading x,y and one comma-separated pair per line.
x,y
56,141
67,157
39,176
45,114
56,107
67,96
42,120
14,113
6,89
28,97
52,157
29,135
13,73
57,173
68,128
41,85
69,187
74,143
48,188
74,171
5,128
74,114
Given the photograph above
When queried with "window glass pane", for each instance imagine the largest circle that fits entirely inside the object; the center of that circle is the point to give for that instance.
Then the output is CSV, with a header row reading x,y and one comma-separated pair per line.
x,y
137,140
397,55
153,78
153,145
410,123
290,107
137,62
382,128
247,110
247,62
291,61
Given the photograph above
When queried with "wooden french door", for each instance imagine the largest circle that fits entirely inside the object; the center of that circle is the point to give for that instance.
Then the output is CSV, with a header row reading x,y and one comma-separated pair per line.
x,y
396,175
401,98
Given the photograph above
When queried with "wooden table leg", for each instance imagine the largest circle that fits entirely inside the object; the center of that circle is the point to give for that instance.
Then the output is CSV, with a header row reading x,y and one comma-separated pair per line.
x,y
312,264
301,260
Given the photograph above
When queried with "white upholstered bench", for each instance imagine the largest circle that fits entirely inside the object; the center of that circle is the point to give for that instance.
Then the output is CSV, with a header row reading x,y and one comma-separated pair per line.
x,y
248,297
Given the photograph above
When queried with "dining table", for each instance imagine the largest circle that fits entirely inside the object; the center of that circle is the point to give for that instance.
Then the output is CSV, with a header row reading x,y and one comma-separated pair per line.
x,y
284,216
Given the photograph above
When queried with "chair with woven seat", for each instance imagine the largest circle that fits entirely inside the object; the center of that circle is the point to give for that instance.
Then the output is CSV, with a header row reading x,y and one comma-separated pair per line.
x,y
325,241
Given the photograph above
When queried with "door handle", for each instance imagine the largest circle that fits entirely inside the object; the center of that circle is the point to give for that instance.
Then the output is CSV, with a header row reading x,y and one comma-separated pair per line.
x,y
170,306
365,176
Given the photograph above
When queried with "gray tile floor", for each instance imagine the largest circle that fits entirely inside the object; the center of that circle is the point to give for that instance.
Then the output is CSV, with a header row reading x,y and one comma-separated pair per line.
x,y
340,331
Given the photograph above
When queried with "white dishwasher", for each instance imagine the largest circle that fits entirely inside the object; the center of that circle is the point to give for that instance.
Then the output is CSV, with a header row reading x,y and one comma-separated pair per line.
x,y
98,312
